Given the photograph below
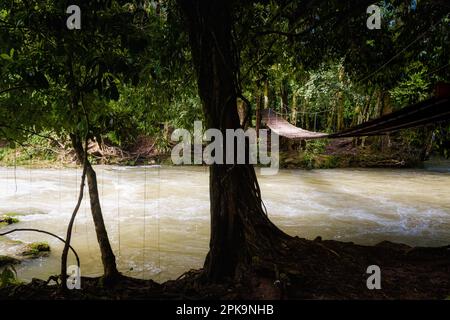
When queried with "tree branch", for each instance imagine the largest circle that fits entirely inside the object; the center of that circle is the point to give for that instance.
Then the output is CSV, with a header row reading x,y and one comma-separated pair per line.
x,y
46,232
15,88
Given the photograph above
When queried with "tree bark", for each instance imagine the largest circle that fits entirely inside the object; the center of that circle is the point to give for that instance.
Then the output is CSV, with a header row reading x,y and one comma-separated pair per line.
x,y
266,94
258,113
304,116
108,259
70,226
294,109
240,228
340,102
242,111
386,109
284,107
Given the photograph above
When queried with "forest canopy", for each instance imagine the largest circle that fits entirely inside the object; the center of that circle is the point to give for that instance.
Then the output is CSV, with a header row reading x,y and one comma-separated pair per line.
x,y
114,90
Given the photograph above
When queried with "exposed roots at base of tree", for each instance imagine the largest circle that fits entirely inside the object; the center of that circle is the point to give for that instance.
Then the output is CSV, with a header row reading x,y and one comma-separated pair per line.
x,y
306,270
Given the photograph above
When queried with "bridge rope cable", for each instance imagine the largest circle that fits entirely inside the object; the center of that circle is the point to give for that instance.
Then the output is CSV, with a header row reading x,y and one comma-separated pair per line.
x,y
284,105
31,183
282,127
145,205
118,210
158,231
60,186
6,180
33,229
285,115
15,170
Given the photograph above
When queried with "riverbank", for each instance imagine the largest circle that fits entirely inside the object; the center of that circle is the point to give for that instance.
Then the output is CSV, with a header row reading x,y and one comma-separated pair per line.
x,y
308,270
45,153
351,153
315,154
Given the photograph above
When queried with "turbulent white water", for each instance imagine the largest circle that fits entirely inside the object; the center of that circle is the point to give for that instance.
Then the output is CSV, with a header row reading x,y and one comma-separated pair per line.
x,y
158,218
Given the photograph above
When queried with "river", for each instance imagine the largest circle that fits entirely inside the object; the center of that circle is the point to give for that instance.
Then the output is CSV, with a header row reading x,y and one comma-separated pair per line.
x,y
158,218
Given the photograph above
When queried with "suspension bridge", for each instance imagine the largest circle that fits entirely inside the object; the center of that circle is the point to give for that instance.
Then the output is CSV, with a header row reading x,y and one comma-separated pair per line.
x,y
430,111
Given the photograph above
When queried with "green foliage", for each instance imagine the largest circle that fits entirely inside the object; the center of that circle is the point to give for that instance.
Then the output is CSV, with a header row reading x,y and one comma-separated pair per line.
x,y
313,157
35,150
8,276
441,140
316,146
66,78
414,88
129,71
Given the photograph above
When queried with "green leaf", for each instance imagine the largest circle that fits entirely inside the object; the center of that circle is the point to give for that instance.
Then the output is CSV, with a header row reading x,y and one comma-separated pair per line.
x,y
5,57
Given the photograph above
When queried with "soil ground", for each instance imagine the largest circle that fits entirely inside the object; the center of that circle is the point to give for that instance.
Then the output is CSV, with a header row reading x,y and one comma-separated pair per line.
x,y
311,270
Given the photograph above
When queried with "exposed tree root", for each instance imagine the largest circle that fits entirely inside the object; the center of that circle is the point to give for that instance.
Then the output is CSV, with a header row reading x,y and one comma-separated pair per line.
x,y
306,270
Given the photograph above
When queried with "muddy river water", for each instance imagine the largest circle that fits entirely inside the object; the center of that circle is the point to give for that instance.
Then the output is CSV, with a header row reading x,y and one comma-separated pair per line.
x,y
158,217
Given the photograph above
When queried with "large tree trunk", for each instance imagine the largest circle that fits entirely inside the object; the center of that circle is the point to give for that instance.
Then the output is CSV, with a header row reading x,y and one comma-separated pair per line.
x,y
108,258
240,228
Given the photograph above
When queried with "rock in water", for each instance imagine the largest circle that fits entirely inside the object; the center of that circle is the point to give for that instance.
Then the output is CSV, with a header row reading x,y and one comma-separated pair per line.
x,y
6,261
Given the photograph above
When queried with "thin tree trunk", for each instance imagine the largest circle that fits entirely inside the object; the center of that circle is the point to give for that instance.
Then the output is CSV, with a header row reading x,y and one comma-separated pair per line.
x,y
70,226
428,144
386,109
294,109
293,119
365,114
242,111
266,94
258,113
108,259
340,102
284,99
240,229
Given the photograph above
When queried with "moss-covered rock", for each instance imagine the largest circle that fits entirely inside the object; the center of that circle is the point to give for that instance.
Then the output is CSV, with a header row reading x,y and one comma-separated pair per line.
x,y
6,261
8,219
36,249
11,220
